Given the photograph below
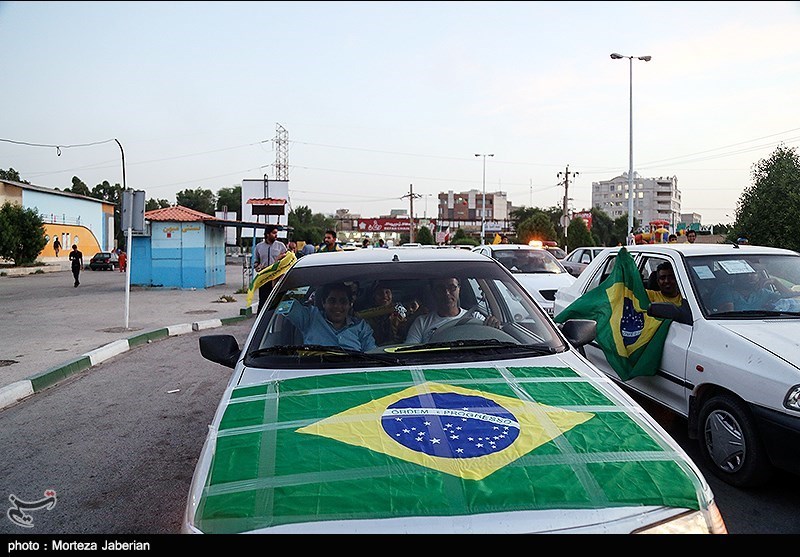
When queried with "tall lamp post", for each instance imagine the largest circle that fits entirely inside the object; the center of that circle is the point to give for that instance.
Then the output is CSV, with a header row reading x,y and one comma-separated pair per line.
x,y
483,211
615,56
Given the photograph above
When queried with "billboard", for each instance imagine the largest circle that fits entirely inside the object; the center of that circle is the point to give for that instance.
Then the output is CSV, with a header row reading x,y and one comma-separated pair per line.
x,y
265,201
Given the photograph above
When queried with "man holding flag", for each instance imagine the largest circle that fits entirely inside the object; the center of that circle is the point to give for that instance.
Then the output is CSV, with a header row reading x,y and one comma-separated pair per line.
x,y
631,340
267,252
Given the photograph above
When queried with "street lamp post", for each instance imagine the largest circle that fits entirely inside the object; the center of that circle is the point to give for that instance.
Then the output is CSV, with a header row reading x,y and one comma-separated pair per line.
x,y
483,211
615,56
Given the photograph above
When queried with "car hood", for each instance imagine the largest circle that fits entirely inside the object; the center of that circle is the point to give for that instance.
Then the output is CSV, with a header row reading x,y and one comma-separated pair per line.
x,y
542,281
779,337
531,445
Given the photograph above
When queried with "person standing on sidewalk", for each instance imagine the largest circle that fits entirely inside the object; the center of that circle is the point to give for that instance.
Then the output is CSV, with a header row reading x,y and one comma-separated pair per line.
x,y
267,252
56,246
76,257
123,261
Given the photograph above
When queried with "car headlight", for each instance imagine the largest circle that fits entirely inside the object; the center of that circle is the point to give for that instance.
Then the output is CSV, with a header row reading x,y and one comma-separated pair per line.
x,y
695,522
792,400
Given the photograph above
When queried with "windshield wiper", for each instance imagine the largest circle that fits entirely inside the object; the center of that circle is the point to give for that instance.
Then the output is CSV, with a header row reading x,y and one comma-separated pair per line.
x,y
476,344
756,313
322,352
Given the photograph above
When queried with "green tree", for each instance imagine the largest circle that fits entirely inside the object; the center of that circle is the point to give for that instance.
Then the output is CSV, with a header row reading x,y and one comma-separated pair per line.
x,y
620,231
776,179
197,199
12,175
307,226
153,204
112,194
578,235
460,238
537,227
230,198
521,214
23,233
424,236
79,187
602,228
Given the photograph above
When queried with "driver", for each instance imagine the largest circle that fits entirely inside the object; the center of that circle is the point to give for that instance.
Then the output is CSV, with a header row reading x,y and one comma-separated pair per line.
x,y
446,293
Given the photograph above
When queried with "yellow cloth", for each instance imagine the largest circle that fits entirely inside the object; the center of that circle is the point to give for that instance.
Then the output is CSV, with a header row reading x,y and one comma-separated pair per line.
x,y
270,273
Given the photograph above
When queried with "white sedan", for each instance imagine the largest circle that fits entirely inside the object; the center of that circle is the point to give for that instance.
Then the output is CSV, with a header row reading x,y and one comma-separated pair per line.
x,y
539,272
731,363
333,421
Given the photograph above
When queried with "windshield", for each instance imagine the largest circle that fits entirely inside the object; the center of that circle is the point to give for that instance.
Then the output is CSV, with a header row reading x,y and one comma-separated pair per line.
x,y
399,313
743,285
528,261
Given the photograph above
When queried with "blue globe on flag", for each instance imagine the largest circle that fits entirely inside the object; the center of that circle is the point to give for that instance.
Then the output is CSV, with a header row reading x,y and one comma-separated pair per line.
x,y
451,425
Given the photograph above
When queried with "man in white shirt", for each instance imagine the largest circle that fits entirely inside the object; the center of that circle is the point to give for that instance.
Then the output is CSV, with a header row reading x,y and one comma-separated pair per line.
x,y
446,294
267,252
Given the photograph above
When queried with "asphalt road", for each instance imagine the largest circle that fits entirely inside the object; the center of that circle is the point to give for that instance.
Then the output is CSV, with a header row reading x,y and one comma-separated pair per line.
x,y
119,442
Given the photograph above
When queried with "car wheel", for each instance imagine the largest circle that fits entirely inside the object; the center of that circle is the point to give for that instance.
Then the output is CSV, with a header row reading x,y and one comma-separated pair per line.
x,y
730,444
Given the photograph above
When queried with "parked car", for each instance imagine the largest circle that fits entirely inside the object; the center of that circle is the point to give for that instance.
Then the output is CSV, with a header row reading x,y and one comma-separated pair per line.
x,y
539,272
104,261
733,372
495,424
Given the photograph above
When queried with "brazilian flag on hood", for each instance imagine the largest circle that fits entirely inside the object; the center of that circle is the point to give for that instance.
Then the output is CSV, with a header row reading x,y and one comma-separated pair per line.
x,y
631,340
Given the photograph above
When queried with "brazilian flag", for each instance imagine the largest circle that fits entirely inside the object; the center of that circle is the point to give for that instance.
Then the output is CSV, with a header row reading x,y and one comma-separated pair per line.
x,y
381,444
631,340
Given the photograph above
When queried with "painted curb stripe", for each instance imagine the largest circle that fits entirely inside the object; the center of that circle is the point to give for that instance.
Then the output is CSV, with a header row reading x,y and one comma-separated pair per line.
x,y
14,392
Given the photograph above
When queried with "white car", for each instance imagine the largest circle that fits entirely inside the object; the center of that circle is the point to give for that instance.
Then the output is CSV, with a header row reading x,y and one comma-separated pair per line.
x,y
495,424
732,370
583,254
539,272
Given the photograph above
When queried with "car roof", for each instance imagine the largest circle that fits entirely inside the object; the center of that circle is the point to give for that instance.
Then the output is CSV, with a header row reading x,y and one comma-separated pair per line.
x,y
706,249
388,255
503,247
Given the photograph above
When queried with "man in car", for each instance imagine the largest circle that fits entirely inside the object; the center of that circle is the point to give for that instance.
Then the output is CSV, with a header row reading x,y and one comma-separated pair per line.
x,y
334,325
446,295
667,286
749,293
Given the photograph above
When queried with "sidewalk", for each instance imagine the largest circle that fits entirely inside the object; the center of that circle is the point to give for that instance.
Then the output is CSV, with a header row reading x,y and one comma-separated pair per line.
x,y
50,330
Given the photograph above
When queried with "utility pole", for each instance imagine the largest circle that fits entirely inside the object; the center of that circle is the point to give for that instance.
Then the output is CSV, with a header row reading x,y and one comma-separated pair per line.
x,y
411,196
565,209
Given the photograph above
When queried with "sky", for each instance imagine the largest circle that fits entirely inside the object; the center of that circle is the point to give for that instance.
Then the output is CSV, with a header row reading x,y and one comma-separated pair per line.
x,y
379,99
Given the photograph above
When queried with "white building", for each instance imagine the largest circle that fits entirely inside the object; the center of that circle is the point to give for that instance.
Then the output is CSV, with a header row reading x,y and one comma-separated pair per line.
x,y
654,198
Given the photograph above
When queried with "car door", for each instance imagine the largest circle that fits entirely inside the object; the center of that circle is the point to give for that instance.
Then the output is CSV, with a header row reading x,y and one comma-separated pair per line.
x,y
668,386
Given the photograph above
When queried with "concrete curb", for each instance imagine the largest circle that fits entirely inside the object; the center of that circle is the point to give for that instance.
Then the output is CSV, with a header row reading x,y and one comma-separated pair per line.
x,y
15,392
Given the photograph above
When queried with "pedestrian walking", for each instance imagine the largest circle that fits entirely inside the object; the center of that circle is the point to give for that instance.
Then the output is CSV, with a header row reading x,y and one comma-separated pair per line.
x,y
56,246
123,261
76,257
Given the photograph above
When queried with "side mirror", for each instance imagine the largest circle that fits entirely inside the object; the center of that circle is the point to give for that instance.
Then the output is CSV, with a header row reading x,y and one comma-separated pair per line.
x,y
579,331
665,310
220,349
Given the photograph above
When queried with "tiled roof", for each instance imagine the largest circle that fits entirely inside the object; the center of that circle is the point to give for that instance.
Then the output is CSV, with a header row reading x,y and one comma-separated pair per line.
x,y
178,213
266,201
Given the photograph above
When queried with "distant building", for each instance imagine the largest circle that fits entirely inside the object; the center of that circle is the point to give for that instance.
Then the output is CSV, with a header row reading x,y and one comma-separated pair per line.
x,y
465,210
74,219
654,198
